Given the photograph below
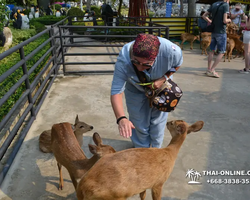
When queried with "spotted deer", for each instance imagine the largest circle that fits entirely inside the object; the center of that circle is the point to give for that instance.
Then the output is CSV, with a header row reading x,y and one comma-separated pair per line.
x,y
126,173
79,128
69,154
189,37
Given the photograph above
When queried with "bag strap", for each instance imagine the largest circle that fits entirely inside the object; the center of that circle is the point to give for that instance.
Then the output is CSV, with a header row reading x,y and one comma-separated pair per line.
x,y
216,12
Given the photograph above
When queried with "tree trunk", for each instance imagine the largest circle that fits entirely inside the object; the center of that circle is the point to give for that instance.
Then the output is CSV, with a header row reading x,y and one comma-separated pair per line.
x,y
181,8
120,8
88,4
81,4
191,8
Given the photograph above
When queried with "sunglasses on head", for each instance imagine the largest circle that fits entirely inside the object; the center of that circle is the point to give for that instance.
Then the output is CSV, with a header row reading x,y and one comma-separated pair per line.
x,y
142,64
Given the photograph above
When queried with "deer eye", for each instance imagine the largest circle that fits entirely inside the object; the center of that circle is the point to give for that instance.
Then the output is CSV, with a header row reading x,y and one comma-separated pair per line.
x,y
81,126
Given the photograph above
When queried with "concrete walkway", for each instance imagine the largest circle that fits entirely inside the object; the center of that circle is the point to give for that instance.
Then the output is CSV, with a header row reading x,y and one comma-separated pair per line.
x,y
223,143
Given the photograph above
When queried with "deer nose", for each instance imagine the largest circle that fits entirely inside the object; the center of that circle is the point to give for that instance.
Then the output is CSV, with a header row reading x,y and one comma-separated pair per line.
x,y
91,127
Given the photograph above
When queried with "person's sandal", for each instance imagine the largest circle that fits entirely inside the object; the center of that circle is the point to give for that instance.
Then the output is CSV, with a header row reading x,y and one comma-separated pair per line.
x,y
244,71
213,74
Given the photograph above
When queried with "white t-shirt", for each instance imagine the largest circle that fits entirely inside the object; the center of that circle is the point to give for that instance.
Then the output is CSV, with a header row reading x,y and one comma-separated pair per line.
x,y
236,20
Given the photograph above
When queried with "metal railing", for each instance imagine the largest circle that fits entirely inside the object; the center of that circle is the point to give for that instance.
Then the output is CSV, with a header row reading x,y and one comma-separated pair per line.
x,y
35,80
107,35
16,123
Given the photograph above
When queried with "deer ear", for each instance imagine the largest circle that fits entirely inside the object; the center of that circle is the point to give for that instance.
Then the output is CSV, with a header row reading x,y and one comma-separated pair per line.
x,y
181,128
195,127
77,119
97,139
92,149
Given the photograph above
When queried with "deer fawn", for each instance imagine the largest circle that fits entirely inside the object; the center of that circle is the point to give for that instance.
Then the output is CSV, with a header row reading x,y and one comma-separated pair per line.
x,y
69,154
132,171
205,42
229,49
79,128
189,37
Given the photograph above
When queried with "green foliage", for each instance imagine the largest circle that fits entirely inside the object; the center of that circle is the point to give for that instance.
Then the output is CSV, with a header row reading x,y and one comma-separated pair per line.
x,y
11,80
196,31
97,11
20,35
151,14
76,12
58,7
39,27
47,19
3,13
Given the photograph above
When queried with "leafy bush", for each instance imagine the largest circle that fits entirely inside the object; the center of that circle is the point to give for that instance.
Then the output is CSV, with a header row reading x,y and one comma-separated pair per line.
x,y
3,14
58,7
76,12
97,11
10,61
39,27
48,19
22,35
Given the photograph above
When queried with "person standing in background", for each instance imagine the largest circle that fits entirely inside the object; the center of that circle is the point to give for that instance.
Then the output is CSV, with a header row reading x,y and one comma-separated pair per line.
x,y
236,14
246,42
202,24
219,10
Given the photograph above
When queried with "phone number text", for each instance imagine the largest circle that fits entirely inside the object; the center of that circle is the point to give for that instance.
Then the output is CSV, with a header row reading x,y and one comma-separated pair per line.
x,y
229,181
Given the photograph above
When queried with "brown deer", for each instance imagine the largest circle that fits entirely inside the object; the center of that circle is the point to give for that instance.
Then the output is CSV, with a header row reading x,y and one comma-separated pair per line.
x,y
132,171
79,128
189,37
69,154
205,42
229,49
239,46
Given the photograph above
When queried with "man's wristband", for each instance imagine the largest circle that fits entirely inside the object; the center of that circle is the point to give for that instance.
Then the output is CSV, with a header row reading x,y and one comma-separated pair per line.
x,y
120,118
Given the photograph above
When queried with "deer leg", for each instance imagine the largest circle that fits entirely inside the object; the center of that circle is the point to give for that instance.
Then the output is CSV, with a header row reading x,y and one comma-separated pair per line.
x,y
73,180
156,192
60,176
143,195
182,43
191,45
229,55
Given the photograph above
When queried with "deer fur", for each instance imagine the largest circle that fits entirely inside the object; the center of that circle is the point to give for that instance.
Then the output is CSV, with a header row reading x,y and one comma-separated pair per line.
x,y
205,42
189,37
229,49
132,171
239,46
69,154
79,128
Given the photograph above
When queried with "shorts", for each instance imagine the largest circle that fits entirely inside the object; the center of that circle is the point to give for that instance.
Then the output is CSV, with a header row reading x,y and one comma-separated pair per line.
x,y
246,37
219,40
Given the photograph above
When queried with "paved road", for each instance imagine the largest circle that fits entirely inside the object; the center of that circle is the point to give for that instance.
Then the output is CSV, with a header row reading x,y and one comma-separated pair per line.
x,y
223,143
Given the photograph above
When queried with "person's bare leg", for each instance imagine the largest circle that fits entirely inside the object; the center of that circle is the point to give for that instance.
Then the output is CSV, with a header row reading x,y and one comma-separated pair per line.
x,y
247,54
210,59
217,60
